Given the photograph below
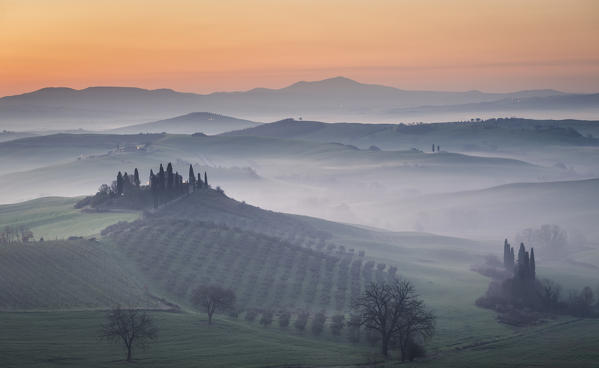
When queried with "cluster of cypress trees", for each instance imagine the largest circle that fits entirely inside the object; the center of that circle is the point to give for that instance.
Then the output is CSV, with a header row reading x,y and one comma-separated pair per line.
x,y
124,182
164,185
525,267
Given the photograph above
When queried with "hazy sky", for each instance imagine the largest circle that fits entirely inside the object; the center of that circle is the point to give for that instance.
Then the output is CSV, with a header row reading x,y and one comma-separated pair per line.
x,y
204,46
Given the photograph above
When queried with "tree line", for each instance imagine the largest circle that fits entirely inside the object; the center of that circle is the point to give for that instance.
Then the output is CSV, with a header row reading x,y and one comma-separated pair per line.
x,y
15,234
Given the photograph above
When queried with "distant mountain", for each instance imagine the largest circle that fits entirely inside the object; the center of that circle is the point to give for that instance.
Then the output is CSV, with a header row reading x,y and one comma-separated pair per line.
x,y
196,122
329,99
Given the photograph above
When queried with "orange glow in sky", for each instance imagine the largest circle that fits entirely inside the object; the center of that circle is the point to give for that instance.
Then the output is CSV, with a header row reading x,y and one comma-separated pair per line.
x,y
205,45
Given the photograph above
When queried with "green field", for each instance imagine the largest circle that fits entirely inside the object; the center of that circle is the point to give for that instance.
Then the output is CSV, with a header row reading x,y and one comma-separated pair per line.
x,y
56,218
69,339
273,261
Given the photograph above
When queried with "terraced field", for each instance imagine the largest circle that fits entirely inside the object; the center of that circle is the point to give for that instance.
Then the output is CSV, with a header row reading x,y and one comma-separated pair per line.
x,y
266,272
66,275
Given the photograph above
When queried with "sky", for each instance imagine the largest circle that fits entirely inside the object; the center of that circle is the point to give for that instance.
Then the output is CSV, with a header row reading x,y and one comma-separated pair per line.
x,y
205,46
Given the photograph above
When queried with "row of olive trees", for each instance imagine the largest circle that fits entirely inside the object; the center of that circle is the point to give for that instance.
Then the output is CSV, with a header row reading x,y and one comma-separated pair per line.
x,y
390,311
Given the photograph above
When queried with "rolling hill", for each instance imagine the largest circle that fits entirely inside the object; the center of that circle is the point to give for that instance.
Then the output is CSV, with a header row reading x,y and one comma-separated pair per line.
x,y
196,122
505,209
492,135
50,165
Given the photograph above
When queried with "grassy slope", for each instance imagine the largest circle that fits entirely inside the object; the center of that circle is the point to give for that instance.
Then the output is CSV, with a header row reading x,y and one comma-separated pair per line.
x,y
55,275
55,217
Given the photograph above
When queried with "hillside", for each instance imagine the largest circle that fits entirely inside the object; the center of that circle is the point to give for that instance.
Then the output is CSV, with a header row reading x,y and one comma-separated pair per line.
x,y
493,135
505,209
67,274
195,122
52,166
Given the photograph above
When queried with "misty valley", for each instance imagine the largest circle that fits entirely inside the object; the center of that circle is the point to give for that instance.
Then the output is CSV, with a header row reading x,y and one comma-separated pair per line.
x,y
208,240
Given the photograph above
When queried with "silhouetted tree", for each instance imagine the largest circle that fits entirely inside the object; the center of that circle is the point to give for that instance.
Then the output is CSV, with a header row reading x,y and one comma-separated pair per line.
x,y
119,183
438,148
266,319
318,323
192,177
532,266
136,178
581,303
395,312
284,317
200,184
131,326
161,179
250,315
433,148
212,298
170,177
206,179
353,328
337,324
301,321
508,256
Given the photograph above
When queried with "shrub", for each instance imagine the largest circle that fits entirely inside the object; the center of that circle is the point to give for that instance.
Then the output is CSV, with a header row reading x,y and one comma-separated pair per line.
x,y
318,323
337,324
284,317
301,320
266,319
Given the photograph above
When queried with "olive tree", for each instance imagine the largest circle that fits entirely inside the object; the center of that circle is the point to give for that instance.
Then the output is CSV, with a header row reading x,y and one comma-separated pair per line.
x,y
212,298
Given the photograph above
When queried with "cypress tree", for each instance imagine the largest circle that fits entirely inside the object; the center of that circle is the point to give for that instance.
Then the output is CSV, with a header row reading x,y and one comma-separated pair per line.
x,y
161,178
136,178
170,179
433,148
119,183
533,271
200,183
506,254
512,258
527,266
206,179
192,177
521,261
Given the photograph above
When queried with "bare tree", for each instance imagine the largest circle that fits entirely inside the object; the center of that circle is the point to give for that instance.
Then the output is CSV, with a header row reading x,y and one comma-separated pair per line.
x,y
394,310
212,297
131,326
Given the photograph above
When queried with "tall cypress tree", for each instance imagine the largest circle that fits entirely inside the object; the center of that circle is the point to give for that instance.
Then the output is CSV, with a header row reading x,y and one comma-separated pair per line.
x,y
506,254
192,177
521,261
136,178
119,183
533,271
161,178
206,179
512,258
170,178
